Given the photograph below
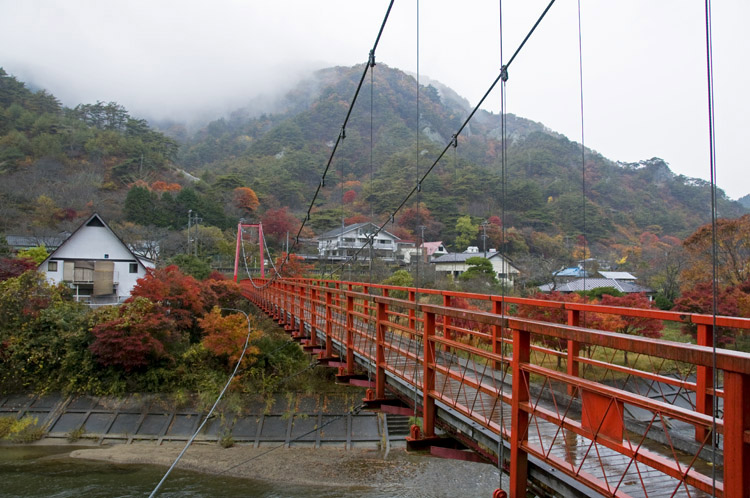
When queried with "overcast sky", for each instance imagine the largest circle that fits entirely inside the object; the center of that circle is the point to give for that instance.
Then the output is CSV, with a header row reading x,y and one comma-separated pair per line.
x,y
644,64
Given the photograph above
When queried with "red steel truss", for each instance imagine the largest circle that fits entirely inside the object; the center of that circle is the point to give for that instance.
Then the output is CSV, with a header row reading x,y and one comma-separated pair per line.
x,y
622,425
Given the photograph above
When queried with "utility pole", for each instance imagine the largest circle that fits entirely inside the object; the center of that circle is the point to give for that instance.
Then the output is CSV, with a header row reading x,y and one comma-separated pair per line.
x,y
484,237
197,220
193,219
420,247
190,220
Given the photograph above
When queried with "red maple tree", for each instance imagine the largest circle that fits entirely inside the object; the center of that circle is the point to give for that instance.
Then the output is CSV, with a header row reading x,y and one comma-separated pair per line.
x,y
11,267
135,335
731,301
634,325
181,295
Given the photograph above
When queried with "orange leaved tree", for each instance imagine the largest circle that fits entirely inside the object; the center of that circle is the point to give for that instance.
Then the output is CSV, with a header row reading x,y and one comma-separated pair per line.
x,y
225,336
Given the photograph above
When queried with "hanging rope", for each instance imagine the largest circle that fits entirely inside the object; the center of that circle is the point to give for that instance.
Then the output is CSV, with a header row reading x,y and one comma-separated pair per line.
x,y
244,261
342,134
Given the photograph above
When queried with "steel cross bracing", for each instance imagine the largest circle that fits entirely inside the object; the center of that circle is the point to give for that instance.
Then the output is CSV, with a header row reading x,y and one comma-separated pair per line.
x,y
581,421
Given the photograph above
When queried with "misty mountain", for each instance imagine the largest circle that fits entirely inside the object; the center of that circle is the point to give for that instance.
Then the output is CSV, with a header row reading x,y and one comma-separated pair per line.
x,y
282,155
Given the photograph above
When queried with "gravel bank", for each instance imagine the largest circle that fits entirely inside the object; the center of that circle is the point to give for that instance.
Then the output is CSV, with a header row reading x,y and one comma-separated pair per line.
x,y
400,474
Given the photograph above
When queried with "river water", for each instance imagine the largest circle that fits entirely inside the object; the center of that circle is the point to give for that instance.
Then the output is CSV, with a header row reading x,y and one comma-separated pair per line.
x,y
46,471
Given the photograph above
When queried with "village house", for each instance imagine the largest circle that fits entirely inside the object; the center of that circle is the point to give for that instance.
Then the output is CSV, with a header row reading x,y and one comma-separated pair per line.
x,y
96,264
454,264
342,243
428,250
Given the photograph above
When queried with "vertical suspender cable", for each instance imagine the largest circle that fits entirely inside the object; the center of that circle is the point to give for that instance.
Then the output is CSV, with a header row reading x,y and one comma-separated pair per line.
x,y
419,221
714,241
370,235
503,131
583,154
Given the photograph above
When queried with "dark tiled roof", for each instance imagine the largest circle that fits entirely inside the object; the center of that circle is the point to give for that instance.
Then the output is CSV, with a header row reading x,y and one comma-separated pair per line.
x,y
33,241
340,231
461,257
596,283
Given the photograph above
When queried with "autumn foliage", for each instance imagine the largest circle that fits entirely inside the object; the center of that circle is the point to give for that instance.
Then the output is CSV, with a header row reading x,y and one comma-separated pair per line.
x,y
135,335
293,267
181,294
733,253
635,325
647,327
13,267
162,186
167,311
733,300
278,222
246,199
226,336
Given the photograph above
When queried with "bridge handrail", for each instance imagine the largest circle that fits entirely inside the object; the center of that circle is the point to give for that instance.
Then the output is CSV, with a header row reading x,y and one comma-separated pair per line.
x,y
673,316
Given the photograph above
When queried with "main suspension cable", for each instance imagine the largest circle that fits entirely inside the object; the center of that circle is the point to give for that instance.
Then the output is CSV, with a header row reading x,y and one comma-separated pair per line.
x,y
502,76
339,138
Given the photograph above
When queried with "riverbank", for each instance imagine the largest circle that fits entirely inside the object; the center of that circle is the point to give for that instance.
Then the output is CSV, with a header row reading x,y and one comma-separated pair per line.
x,y
397,474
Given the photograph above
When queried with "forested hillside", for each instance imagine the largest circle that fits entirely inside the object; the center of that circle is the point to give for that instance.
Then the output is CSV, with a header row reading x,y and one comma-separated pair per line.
x,y
59,164
282,155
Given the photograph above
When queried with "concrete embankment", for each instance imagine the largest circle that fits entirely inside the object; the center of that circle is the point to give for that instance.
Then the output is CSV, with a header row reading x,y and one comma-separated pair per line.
x,y
314,420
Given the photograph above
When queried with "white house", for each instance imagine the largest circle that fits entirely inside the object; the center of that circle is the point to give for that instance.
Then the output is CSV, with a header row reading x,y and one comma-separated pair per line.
x,y
428,250
455,264
342,243
96,264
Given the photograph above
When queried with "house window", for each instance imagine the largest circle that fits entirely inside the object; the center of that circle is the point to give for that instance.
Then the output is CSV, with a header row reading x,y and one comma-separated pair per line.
x,y
133,267
52,266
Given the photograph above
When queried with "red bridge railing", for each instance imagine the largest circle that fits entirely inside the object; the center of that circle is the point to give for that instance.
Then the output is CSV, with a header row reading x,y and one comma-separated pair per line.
x,y
637,425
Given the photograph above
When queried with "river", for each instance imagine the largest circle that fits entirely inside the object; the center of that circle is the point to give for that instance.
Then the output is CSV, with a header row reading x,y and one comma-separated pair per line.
x,y
46,471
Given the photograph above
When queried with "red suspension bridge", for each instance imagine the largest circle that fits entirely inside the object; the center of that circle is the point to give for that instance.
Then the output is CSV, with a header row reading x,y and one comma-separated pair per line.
x,y
587,420
602,414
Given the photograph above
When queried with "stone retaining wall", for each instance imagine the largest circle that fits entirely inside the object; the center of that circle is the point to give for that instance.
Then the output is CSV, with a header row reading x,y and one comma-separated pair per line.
x,y
294,420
